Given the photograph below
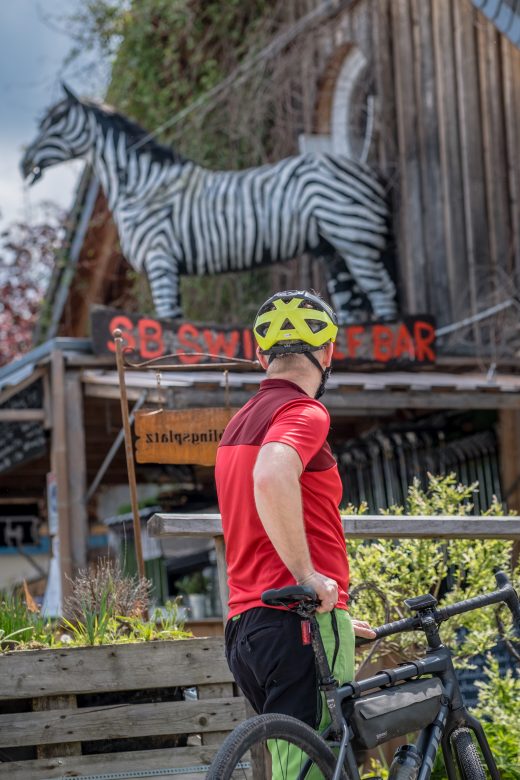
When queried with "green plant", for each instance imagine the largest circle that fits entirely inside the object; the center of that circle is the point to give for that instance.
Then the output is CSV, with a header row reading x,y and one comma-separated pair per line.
x,y
106,590
16,620
385,571
193,583
95,624
497,705
163,624
8,639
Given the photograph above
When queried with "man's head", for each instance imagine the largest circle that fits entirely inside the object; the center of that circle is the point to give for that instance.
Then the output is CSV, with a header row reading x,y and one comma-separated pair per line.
x,y
295,330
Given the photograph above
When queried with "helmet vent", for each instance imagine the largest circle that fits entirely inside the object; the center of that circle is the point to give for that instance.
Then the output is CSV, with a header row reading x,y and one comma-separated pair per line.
x,y
316,325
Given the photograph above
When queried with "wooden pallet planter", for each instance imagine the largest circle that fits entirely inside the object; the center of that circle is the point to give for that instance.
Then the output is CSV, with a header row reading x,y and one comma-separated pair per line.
x,y
115,711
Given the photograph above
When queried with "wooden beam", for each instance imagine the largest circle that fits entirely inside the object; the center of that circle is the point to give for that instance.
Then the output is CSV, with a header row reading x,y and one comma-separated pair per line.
x,y
359,527
509,444
409,218
22,415
341,403
59,465
112,668
77,470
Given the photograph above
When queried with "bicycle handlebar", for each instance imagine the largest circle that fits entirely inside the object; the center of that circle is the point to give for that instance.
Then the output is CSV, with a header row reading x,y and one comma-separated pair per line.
x,y
505,593
305,601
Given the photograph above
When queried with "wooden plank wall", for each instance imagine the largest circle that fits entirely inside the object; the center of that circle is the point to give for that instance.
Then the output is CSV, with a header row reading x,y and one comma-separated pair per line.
x,y
447,86
49,729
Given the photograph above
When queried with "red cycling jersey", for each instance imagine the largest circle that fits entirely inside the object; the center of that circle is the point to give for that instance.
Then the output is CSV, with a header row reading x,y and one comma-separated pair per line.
x,y
280,412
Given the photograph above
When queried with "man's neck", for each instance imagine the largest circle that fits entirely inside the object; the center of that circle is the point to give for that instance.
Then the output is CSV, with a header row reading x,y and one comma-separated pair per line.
x,y
306,381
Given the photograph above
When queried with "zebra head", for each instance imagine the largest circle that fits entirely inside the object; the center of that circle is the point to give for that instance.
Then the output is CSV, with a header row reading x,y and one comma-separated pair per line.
x,y
66,132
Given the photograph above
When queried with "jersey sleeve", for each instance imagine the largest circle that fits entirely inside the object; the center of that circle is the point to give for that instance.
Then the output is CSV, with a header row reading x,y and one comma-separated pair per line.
x,y
301,424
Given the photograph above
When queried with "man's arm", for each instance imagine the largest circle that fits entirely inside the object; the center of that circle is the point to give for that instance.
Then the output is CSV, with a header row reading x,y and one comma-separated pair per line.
x,y
278,500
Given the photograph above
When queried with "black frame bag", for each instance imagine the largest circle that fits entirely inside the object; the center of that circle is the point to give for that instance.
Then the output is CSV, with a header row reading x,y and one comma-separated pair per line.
x,y
394,712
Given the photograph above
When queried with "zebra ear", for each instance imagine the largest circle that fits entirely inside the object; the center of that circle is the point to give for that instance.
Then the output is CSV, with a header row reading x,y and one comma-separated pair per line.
x,y
70,94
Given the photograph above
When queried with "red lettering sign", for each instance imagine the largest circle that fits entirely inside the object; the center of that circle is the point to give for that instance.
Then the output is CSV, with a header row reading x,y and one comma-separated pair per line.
x,y
424,336
382,343
151,343
222,343
187,335
125,325
404,343
353,339
408,342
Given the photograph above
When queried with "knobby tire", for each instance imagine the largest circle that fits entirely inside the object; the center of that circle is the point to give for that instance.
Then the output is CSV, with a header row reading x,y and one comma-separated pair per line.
x,y
255,732
468,757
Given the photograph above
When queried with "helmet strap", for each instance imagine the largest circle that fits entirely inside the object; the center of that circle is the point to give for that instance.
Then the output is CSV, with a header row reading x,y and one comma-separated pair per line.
x,y
325,373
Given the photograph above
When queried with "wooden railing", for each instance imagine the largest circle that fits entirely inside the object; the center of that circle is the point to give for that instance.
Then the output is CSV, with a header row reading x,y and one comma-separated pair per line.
x,y
355,526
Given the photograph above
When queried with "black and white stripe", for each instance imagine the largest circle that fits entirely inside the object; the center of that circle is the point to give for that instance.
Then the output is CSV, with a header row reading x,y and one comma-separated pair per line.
x,y
175,217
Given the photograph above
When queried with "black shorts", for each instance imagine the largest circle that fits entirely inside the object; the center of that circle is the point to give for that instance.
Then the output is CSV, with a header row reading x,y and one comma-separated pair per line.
x,y
270,662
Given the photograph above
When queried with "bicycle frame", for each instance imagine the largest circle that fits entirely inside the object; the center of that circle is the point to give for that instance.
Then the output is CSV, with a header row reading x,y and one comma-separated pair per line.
x,y
452,714
437,662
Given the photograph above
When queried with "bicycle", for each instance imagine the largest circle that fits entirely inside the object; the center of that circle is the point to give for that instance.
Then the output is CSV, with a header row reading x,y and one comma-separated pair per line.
x,y
422,695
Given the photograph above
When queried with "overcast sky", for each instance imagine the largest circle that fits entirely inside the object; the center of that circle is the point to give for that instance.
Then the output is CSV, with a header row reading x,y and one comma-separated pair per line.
x,y
32,51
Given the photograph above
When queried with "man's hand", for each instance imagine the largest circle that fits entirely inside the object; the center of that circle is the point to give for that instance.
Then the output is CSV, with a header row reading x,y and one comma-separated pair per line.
x,y
362,628
326,590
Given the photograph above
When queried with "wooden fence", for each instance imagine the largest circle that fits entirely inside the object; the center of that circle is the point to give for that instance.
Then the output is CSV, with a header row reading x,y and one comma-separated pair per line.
x,y
120,711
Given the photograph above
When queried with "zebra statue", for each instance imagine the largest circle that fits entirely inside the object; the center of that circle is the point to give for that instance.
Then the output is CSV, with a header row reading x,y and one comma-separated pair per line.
x,y
176,217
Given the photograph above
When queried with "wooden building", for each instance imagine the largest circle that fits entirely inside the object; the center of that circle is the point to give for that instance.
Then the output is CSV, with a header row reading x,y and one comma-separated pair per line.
x,y
427,91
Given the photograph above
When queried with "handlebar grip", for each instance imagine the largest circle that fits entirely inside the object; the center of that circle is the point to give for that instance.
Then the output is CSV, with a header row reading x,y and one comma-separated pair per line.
x,y
406,624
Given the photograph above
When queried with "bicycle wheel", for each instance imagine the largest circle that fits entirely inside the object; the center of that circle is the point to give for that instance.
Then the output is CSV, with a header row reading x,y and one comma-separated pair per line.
x,y
467,755
273,747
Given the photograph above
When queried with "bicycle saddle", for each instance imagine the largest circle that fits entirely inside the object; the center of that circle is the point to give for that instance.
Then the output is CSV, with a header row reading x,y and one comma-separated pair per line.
x,y
289,596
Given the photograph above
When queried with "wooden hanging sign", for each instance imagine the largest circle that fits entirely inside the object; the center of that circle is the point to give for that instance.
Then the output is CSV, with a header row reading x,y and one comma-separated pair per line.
x,y
180,436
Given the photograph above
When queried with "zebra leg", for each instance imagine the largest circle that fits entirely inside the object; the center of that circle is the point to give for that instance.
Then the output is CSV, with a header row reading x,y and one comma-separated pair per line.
x,y
366,267
348,301
163,276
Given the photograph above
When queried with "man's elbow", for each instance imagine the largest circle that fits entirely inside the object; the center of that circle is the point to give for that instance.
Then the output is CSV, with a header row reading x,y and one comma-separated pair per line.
x,y
267,476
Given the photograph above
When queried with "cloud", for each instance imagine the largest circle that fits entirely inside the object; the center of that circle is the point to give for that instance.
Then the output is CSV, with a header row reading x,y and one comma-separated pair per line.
x,y
31,67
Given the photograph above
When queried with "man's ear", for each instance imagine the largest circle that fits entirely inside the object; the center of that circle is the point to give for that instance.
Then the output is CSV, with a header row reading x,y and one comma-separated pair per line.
x,y
262,359
329,351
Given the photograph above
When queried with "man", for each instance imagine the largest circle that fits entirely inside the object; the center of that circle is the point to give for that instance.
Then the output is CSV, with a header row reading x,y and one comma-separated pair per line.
x,y
279,489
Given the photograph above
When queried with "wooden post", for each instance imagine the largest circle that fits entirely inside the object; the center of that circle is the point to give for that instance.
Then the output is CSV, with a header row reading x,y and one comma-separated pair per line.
x,y
59,461
223,589
118,339
509,443
77,470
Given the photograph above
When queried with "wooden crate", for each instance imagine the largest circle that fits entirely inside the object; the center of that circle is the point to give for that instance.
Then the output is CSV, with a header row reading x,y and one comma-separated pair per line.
x,y
137,711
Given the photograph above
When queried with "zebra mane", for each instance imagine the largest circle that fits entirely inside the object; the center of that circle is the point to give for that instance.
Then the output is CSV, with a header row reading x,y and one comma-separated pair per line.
x,y
107,117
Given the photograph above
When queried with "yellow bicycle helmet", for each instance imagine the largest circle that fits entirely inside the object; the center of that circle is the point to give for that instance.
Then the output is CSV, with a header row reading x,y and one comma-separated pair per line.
x,y
294,321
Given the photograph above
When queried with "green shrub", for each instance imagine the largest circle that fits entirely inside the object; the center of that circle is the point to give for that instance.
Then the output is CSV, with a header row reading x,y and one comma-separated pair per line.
x,y
385,571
